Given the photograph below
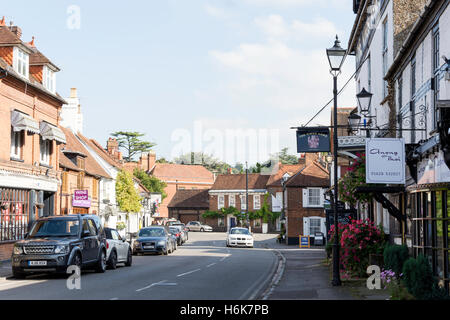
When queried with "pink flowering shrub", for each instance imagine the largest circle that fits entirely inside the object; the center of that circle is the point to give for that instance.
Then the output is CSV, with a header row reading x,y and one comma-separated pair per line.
x,y
358,240
353,178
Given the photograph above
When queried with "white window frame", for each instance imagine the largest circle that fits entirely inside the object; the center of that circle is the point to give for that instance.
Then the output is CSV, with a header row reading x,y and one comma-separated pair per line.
x,y
230,202
45,148
16,144
311,219
307,198
256,202
243,202
220,201
49,79
221,221
21,62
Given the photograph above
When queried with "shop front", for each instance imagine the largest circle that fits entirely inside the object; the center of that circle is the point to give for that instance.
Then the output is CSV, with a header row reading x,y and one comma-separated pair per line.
x,y
428,206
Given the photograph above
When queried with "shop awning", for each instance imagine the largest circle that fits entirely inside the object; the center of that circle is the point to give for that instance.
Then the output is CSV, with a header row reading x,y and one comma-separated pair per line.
x,y
21,121
50,132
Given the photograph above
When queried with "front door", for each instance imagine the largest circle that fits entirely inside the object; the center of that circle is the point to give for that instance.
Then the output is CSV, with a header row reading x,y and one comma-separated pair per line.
x,y
232,222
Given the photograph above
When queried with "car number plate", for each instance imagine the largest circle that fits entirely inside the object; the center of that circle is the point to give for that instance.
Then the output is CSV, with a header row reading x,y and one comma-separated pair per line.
x,y
37,263
149,247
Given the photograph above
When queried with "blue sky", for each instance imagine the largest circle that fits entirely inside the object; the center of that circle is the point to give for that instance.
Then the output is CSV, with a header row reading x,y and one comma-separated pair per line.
x,y
188,72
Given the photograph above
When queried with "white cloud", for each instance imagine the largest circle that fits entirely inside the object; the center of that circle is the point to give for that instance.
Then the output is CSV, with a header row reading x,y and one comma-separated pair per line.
x,y
279,76
217,12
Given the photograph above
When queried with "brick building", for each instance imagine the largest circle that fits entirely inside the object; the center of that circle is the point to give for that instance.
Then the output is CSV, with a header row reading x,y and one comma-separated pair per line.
x,y
229,190
304,202
29,136
80,173
189,205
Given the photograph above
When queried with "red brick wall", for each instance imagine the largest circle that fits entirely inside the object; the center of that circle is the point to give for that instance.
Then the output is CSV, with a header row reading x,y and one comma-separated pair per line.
x,y
6,250
296,212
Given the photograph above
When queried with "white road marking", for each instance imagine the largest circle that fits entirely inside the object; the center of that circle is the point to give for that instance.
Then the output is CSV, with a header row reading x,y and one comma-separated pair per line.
x,y
114,299
152,285
186,273
211,264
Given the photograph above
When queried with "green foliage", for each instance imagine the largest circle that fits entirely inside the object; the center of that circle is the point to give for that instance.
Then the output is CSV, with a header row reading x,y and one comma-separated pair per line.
x,y
418,279
265,213
284,157
132,143
153,184
121,225
212,214
394,257
355,177
126,194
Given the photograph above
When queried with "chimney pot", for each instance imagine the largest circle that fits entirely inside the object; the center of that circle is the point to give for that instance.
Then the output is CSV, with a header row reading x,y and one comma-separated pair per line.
x,y
73,93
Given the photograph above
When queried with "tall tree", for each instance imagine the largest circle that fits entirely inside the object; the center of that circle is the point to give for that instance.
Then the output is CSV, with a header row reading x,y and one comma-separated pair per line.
x,y
132,143
284,157
127,196
153,184
206,160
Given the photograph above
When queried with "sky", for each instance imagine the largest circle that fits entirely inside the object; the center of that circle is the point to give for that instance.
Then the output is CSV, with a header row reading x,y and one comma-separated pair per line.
x,y
226,77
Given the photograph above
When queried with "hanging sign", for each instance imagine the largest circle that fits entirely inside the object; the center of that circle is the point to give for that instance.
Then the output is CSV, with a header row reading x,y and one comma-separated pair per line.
x,y
385,161
313,139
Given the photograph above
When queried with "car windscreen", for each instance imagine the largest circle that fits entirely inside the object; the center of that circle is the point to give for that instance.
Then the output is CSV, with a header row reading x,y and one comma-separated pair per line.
x,y
239,231
55,228
154,232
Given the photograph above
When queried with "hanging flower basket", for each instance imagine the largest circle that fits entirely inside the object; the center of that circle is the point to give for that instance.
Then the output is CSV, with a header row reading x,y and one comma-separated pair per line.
x,y
354,177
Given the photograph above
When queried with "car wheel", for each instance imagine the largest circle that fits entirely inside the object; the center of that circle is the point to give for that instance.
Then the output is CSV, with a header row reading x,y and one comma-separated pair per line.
x,y
202,230
112,263
129,259
18,274
101,263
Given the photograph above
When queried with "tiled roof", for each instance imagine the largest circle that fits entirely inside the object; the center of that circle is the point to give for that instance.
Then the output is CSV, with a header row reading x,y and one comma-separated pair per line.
x,y
8,37
313,175
37,58
92,167
100,151
291,169
182,172
190,199
238,181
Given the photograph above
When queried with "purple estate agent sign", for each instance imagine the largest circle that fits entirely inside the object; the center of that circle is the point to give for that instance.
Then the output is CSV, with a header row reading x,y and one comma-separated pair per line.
x,y
81,199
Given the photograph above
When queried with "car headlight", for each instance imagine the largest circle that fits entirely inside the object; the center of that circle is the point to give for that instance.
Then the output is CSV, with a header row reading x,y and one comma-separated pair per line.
x,y
62,249
18,250
161,243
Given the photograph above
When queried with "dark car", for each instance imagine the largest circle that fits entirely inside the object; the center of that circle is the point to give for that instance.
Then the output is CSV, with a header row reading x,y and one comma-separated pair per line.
x,y
154,239
184,229
177,233
54,243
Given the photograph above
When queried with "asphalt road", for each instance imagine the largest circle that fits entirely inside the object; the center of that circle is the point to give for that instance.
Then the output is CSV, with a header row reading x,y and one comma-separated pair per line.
x,y
201,269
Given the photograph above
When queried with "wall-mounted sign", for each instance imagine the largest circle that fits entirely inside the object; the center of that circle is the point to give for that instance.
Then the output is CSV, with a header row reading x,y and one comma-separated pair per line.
x,y
313,139
81,199
385,161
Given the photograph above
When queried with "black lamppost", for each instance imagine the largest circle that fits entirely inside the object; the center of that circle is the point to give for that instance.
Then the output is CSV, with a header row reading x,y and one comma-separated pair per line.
x,y
336,56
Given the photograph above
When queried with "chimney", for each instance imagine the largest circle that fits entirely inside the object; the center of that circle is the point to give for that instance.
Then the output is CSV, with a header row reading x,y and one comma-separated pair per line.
x,y
3,22
119,156
112,146
143,162
73,93
151,160
310,158
229,170
16,30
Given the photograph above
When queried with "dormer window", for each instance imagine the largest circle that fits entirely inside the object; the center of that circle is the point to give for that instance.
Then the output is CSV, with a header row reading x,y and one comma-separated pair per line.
x,y
49,79
21,62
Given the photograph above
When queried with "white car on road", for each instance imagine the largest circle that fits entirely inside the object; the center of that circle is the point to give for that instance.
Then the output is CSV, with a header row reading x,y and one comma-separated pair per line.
x,y
239,237
118,250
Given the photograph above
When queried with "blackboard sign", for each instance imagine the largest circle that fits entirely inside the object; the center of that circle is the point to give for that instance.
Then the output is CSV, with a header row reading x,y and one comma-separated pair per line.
x,y
345,216
313,139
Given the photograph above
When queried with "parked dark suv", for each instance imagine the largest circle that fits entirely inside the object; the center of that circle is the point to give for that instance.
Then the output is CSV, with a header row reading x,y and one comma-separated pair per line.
x,y
54,243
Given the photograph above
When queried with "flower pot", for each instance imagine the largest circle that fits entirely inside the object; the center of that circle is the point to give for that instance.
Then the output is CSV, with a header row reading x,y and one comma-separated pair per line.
x,y
265,227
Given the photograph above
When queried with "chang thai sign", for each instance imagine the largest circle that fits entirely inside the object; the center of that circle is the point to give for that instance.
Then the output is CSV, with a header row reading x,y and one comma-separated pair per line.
x,y
385,161
313,139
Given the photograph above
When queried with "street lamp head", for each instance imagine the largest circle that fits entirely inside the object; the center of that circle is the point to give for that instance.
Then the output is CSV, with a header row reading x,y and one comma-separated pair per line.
x,y
353,121
336,56
364,101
